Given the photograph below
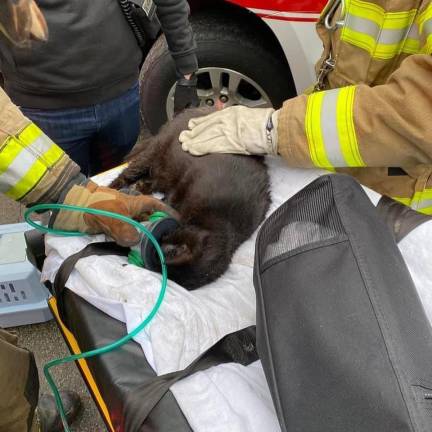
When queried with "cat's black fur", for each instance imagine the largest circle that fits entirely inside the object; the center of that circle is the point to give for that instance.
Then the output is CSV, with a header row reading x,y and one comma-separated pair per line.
x,y
221,198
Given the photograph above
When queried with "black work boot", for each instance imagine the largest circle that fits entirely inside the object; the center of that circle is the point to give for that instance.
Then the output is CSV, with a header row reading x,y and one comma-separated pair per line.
x,y
49,418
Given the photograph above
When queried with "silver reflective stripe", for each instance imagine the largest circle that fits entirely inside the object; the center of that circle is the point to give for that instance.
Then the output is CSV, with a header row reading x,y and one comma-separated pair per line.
x,y
40,145
392,36
23,162
362,25
329,128
16,170
424,204
427,28
414,32
372,29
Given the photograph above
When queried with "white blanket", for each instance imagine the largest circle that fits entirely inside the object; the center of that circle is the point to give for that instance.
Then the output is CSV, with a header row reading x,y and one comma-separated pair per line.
x,y
230,397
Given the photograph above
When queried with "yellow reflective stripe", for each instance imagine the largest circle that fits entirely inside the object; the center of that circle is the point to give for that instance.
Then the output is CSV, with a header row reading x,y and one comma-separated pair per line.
x,y
375,13
404,201
424,16
386,52
378,50
313,131
424,22
427,34
15,145
399,20
9,153
427,48
411,201
361,40
29,134
52,155
420,201
30,179
426,211
424,201
411,46
24,159
382,34
346,129
413,38
365,10
369,44
330,129
35,173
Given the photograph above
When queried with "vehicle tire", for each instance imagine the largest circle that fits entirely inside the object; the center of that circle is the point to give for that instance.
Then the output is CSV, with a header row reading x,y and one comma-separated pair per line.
x,y
223,42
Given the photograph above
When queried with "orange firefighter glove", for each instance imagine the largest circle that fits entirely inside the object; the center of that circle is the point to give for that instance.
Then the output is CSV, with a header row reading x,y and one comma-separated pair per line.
x,y
138,207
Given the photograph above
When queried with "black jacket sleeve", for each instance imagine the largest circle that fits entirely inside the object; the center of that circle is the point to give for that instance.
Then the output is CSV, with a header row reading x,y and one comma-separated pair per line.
x,y
174,18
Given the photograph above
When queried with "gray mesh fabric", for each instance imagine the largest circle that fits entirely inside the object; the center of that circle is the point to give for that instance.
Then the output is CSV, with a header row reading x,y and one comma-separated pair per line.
x,y
308,218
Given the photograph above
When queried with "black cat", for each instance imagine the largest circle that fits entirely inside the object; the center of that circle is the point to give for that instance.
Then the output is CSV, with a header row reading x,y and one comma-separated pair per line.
x,y
221,198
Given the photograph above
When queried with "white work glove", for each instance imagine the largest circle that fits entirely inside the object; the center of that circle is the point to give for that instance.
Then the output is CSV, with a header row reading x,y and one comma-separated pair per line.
x,y
236,129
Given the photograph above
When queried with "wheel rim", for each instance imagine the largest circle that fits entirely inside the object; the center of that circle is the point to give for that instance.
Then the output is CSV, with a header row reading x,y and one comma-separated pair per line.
x,y
226,86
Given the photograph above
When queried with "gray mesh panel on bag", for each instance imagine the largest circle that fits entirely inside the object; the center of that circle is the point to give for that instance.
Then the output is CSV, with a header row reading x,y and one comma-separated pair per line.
x,y
341,333
312,218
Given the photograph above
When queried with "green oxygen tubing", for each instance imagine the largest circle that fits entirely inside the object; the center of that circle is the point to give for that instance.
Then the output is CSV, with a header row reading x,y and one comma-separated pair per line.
x,y
117,344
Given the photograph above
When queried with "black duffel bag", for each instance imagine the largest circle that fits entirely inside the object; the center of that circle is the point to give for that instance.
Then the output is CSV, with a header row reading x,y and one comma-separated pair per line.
x,y
341,332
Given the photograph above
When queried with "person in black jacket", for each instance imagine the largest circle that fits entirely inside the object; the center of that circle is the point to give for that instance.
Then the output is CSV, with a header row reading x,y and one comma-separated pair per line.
x,y
48,78
81,86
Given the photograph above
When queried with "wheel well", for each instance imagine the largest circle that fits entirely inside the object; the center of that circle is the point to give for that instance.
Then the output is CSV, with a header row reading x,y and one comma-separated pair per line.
x,y
244,16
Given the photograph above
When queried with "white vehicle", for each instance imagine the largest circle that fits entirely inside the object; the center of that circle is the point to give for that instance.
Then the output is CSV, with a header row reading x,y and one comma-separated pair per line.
x,y
251,52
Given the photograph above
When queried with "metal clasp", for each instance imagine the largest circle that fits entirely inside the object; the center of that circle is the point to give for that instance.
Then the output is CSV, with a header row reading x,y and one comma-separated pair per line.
x,y
330,15
327,66
329,63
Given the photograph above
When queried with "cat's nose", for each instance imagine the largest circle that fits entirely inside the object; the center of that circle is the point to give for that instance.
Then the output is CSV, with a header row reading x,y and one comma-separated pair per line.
x,y
219,105
168,249
172,250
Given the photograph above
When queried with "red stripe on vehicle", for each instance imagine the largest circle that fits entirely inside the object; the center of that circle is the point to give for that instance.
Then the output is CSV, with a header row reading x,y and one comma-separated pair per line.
x,y
305,6
283,18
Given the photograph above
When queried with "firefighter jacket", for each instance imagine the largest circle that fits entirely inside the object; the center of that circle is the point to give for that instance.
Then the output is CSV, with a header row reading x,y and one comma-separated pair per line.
x,y
371,112
32,168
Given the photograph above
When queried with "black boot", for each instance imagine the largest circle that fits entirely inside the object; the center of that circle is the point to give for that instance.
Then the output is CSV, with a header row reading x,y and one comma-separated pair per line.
x,y
49,418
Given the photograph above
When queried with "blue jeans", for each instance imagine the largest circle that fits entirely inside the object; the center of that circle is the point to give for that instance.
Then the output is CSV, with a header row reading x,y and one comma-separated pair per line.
x,y
96,137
